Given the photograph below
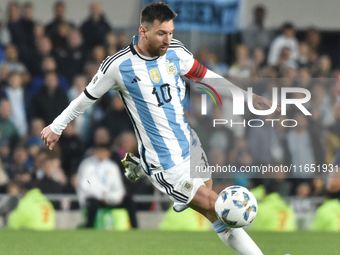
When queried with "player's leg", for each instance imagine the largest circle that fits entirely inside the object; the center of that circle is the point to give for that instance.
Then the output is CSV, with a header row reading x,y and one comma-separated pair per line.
x,y
237,238
209,183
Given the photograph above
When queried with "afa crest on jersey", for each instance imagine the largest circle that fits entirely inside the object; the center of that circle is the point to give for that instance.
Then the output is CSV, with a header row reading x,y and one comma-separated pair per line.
x,y
171,68
154,75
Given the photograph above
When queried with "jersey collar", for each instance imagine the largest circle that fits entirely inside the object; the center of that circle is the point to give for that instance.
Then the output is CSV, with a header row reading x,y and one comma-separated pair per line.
x,y
135,52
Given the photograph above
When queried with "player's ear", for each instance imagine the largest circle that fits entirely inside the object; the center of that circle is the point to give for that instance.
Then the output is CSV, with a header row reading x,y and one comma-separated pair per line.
x,y
142,31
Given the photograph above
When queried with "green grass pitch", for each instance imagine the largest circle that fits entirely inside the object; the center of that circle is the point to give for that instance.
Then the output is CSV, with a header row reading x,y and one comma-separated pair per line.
x,y
149,242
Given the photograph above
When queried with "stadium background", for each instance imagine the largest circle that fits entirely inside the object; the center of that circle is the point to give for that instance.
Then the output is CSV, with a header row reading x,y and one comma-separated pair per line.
x,y
19,160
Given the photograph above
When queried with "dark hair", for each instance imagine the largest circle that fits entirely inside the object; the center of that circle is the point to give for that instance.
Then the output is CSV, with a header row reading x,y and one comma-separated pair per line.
x,y
259,8
59,3
287,26
28,5
157,10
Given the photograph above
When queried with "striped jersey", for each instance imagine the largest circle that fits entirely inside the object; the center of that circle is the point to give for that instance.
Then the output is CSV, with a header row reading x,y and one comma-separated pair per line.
x,y
152,91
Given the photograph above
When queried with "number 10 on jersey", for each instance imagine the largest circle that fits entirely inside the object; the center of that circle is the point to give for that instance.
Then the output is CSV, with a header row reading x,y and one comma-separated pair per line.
x,y
162,94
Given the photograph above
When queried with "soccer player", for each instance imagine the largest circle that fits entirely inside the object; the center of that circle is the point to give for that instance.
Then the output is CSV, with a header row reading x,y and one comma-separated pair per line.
x,y
147,76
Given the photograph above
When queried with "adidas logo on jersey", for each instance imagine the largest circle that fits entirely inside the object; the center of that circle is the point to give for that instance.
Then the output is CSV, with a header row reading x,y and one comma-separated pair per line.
x,y
136,79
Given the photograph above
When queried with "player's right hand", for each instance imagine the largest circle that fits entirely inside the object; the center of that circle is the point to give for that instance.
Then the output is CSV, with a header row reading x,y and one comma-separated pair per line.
x,y
49,138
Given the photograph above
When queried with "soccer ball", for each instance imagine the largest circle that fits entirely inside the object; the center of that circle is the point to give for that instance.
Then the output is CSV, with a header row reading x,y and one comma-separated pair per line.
x,y
236,206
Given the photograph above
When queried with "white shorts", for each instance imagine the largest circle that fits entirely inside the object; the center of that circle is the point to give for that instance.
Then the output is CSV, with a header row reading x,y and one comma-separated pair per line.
x,y
177,182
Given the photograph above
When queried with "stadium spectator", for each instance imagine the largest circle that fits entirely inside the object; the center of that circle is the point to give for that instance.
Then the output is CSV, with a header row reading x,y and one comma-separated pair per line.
x,y
285,40
325,65
35,129
5,36
258,61
123,40
302,147
244,159
241,68
13,23
20,163
98,54
304,78
12,60
71,58
39,32
9,201
321,106
71,150
8,129
318,187
43,49
91,70
100,185
210,61
304,52
18,98
313,39
241,144
39,159
256,35
27,23
48,64
271,150
59,10
34,211
59,39
95,28
302,206
217,158
50,100
111,43
115,112
285,62
53,180
84,124
126,142
101,136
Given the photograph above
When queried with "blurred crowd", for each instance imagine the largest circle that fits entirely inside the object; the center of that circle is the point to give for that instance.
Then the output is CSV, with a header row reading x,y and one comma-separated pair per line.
x,y
45,66
265,59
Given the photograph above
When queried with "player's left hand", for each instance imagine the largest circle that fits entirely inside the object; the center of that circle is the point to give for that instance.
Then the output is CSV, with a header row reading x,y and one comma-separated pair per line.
x,y
259,101
49,138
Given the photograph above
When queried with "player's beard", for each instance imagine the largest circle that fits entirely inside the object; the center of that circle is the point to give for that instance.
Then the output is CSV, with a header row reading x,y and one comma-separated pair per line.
x,y
157,51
